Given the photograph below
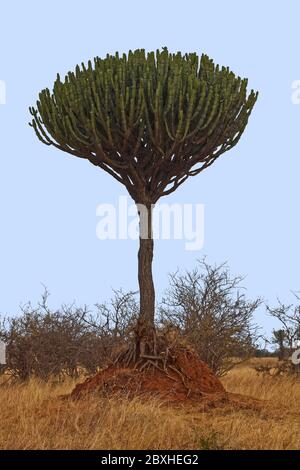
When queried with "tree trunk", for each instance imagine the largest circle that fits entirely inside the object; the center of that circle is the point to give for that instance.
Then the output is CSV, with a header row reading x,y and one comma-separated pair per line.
x,y
145,334
281,351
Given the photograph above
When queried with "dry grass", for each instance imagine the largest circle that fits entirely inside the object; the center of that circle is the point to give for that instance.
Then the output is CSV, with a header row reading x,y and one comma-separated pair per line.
x,y
34,417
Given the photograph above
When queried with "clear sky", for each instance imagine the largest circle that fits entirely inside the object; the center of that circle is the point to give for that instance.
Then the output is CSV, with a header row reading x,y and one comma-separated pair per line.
x,y
48,199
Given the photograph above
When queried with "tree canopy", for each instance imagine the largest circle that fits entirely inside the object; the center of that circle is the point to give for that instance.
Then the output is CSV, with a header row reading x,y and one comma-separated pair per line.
x,y
149,120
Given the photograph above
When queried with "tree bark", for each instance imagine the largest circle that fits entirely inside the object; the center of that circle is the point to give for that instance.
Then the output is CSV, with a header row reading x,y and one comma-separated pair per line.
x,y
145,334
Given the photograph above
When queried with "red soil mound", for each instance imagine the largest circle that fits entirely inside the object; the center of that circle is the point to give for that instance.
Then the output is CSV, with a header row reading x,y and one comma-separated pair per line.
x,y
186,379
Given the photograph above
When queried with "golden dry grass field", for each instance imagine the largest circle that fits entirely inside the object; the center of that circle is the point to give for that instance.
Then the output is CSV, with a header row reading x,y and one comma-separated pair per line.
x,y
33,416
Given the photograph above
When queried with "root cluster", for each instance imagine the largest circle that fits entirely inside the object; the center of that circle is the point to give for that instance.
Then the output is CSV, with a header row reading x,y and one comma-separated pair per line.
x,y
174,373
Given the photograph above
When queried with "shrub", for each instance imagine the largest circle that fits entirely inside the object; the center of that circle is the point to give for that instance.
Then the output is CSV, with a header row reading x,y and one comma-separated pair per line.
x,y
44,342
208,307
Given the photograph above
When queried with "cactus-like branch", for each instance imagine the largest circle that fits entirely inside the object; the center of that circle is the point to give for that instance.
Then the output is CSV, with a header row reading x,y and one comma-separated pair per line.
x,y
149,120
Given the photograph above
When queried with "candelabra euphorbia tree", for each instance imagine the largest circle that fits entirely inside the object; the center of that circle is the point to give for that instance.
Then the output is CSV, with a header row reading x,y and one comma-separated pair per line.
x,y
150,121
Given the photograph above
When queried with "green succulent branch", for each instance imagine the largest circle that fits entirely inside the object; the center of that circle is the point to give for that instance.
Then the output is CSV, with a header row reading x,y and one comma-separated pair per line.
x,y
149,120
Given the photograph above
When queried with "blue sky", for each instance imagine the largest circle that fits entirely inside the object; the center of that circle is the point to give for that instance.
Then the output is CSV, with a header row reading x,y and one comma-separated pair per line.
x,y
48,199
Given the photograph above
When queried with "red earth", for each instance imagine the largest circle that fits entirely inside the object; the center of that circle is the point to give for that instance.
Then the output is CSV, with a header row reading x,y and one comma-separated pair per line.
x,y
187,379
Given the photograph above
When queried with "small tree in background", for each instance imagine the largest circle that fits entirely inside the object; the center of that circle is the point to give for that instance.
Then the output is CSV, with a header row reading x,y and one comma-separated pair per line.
x,y
279,339
150,121
211,311
288,337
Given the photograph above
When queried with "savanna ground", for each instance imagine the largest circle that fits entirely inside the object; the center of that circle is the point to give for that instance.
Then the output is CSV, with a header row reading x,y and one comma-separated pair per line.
x,y
33,416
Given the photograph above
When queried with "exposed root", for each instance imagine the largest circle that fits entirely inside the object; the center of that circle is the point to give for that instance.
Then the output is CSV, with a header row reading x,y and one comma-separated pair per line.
x,y
174,373
164,361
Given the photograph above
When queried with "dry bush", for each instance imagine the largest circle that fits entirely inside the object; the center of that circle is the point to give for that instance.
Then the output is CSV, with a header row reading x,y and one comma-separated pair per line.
x,y
287,338
42,342
205,307
210,310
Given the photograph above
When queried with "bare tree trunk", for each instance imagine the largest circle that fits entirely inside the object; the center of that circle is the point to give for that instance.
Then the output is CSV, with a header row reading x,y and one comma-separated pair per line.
x,y
281,351
145,337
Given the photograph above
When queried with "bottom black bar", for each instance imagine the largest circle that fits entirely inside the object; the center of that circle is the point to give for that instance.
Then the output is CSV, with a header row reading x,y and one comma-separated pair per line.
x,y
133,459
